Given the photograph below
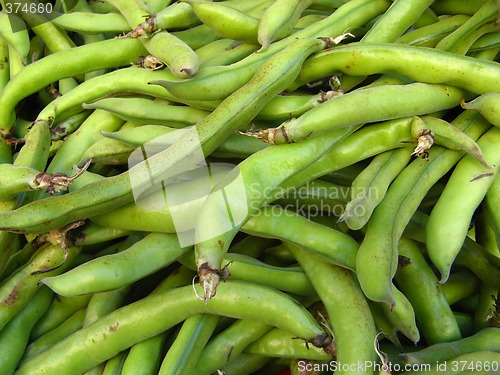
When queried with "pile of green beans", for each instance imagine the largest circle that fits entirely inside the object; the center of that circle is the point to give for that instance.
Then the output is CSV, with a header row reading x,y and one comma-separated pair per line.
x,y
249,187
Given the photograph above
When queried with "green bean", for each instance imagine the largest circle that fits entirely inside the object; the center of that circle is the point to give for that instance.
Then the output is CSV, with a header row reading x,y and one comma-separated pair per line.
x,y
349,313
433,313
245,364
19,288
428,17
66,328
68,126
184,352
15,335
330,245
487,105
370,186
279,20
410,61
381,103
402,316
457,7
449,220
92,23
63,64
252,246
152,253
176,16
207,85
114,365
144,358
486,41
14,32
133,323
280,343
377,258
92,234
145,111
383,324
15,62
486,339
396,20
158,5
429,36
477,362
455,41
197,37
228,345
4,65
60,309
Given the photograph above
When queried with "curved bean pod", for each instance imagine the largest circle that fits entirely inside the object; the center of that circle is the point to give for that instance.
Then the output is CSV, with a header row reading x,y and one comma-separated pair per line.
x,y
131,324
402,316
35,76
450,218
92,23
144,358
488,107
347,309
409,61
13,30
114,271
380,103
433,313
14,337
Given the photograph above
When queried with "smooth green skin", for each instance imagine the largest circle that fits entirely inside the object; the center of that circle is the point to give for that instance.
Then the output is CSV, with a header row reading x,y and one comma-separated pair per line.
x,y
279,20
348,311
218,82
19,40
460,285
402,316
197,37
18,258
478,362
133,11
383,324
380,103
216,48
228,345
157,5
457,7
429,36
144,358
422,64
227,22
176,16
485,42
486,339
68,126
242,267
108,152
488,105
328,244
183,354
370,186
450,218
152,253
179,57
17,291
377,257
66,328
92,23
104,303
241,107
15,335
282,344
148,317
483,264
433,313
60,309
246,364
229,56
396,20
145,111
454,42
428,17
492,201
17,180
114,365
261,174
92,234
67,63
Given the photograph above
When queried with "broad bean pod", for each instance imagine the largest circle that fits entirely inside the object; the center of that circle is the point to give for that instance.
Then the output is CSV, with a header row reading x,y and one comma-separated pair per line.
x,y
246,364
63,64
456,7
402,316
348,310
486,339
421,64
19,40
92,23
460,285
488,107
450,218
147,318
155,251
380,103
184,352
